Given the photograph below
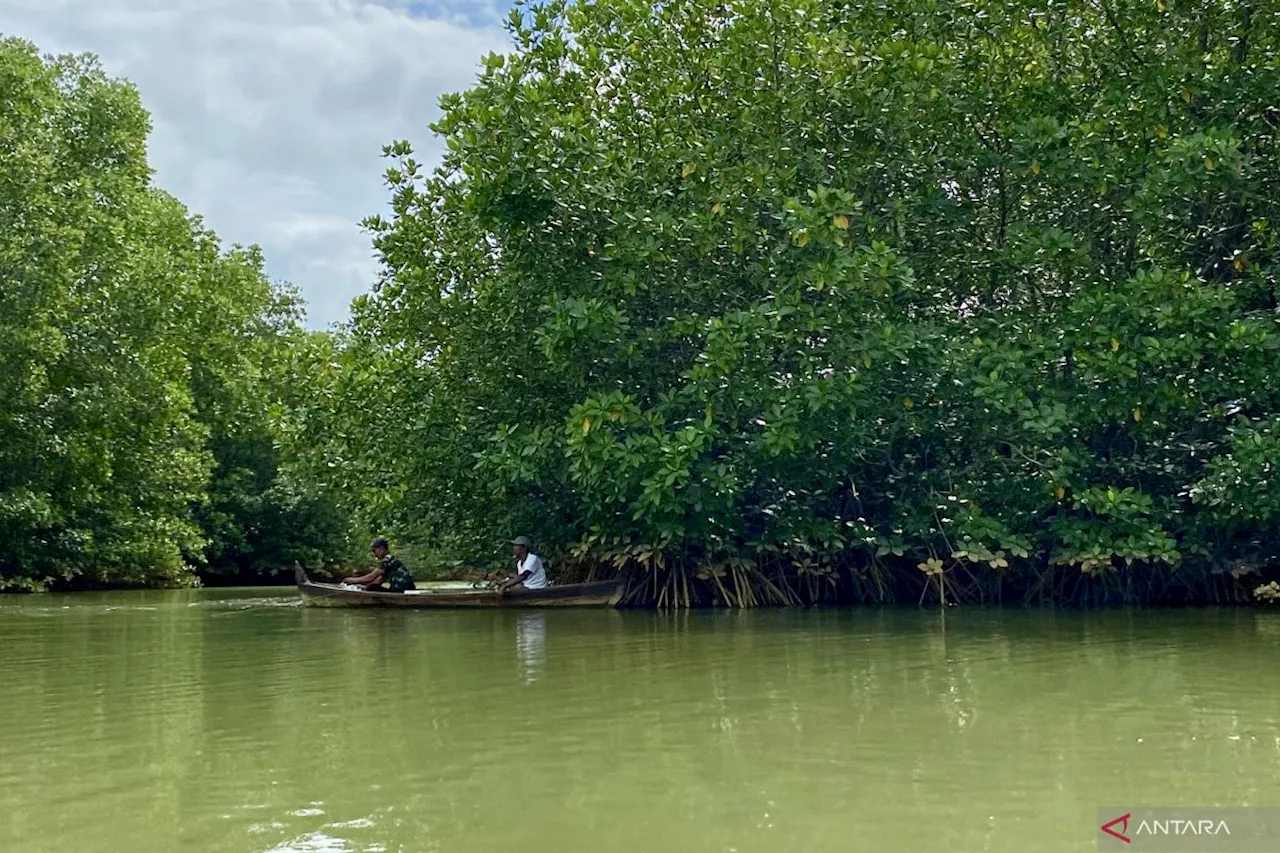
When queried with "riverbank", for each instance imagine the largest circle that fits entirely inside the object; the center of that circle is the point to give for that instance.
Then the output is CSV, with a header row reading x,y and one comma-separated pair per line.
x,y
821,581
961,580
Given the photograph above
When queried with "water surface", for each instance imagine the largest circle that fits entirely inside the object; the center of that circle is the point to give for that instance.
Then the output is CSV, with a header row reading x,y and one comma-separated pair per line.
x,y
235,720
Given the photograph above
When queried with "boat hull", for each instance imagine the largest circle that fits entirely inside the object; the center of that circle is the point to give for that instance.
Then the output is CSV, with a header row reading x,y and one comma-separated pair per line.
x,y
595,594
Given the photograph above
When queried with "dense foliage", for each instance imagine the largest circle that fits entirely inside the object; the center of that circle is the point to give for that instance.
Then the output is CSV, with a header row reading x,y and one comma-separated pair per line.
x,y
813,299
142,365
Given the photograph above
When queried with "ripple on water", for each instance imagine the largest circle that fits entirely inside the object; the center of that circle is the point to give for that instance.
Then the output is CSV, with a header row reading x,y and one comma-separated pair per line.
x,y
313,842
264,828
240,605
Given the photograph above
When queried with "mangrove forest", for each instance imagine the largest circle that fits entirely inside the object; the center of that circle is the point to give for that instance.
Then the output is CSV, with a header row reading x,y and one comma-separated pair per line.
x,y
754,303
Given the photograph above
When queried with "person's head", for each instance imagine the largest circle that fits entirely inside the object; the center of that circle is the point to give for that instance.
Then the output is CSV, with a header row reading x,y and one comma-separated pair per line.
x,y
520,546
379,547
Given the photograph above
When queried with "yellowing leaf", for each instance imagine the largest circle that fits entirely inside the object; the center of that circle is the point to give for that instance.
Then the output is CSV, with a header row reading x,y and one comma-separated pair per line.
x,y
840,221
688,170
802,239
586,425
1210,163
717,207
1035,167
1162,131
1060,492
932,566
840,241
1115,345
1160,7
1137,414
1186,95
908,403
1029,67
1238,263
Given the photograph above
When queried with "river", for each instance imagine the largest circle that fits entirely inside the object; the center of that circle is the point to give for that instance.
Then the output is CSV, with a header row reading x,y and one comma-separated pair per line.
x,y
236,720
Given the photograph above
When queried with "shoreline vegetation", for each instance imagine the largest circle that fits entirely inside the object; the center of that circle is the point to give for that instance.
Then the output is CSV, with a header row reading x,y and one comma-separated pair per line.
x,y
150,375
755,304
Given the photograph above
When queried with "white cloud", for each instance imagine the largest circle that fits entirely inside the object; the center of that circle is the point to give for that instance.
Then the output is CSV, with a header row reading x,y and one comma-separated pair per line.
x,y
270,115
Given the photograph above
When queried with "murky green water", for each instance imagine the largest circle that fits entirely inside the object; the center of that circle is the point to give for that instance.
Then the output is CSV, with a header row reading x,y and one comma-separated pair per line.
x,y
239,721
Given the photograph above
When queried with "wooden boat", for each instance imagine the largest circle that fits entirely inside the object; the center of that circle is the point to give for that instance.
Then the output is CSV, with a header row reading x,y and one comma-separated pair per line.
x,y
593,594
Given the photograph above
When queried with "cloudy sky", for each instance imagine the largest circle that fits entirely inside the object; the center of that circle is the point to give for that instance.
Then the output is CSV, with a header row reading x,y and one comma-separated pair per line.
x,y
270,115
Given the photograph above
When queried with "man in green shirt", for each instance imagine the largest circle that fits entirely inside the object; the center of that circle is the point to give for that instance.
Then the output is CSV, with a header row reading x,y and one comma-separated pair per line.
x,y
388,571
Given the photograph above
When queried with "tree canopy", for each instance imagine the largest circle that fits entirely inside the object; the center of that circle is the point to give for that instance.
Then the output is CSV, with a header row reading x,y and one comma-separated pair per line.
x,y
803,300
142,364
770,302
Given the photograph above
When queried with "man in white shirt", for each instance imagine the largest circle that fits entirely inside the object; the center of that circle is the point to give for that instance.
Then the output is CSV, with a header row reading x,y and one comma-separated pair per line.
x,y
529,570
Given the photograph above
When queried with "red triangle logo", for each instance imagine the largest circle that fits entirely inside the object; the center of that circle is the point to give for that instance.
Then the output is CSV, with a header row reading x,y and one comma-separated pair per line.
x,y
1123,820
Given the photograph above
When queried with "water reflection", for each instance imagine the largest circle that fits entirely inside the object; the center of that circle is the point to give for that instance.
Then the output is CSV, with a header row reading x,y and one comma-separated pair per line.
x,y
531,643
